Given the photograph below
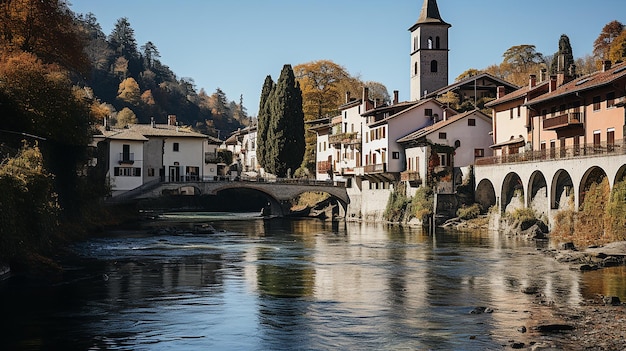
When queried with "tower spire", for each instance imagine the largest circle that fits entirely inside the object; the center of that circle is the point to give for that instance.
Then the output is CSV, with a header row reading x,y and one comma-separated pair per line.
x,y
430,13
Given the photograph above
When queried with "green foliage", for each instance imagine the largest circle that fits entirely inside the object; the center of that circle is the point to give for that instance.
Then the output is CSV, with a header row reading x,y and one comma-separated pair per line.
x,y
397,203
565,49
468,212
521,215
225,156
29,209
615,213
263,123
422,203
284,143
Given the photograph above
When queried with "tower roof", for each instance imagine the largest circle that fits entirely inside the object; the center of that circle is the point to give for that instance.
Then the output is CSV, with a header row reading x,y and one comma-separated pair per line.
x,y
429,15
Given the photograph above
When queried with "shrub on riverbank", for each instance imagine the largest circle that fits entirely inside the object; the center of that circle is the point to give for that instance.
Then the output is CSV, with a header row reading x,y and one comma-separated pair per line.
x,y
422,202
397,203
601,218
29,208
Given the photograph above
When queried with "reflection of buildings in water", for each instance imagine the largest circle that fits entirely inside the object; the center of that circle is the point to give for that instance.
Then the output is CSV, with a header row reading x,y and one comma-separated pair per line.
x,y
134,281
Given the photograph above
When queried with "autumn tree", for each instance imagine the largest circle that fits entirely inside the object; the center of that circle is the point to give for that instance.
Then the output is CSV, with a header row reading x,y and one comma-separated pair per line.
x,y
564,57
618,48
44,28
129,92
467,74
602,44
125,117
285,135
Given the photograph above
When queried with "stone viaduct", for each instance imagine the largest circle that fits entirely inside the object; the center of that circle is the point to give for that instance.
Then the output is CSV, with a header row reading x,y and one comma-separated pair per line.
x,y
547,181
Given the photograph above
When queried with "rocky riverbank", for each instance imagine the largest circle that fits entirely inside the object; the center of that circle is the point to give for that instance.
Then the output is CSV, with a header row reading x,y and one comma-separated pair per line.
x,y
595,324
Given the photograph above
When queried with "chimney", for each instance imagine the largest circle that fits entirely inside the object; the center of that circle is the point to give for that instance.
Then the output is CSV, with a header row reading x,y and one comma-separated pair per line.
x,y
347,97
532,81
542,75
106,123
501,91
366,94
152,123
171,120
553,81
395,97
376,102
606,65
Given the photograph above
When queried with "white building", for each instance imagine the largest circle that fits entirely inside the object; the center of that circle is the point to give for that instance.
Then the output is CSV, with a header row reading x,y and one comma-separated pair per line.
x,y
143,153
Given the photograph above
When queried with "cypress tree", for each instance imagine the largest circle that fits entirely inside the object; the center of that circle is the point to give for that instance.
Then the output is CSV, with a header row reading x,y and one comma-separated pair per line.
x,y
263,122
285,136
565,49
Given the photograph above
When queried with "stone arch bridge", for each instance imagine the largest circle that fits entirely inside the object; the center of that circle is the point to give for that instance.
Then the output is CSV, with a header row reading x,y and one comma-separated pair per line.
x,y
279,192
547,181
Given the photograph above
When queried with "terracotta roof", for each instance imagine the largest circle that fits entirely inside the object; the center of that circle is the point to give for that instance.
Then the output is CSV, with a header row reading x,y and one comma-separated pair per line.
x,y
435,127
519,140
468,80
588,82
120,134
518,94
164,130
414,104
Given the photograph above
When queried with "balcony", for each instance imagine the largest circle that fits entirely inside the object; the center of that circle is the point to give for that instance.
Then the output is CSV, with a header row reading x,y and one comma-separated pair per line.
x,y
412,177
324,166
126,158
618,147
344,138
377,168
565,120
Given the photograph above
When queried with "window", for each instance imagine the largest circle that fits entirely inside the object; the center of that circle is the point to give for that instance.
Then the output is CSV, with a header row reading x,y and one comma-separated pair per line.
x,y
443,158
511,113
395,155
383,130
596,138
519,111
428,112
127,171
457,144
433,66
479,152
176,147
443,135
430,42
415,69
596,103
471,122
610,99
150,172
437,43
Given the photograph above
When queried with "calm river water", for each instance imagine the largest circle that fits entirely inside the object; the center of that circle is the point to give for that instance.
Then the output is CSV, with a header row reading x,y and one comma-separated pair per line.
x,y
276,284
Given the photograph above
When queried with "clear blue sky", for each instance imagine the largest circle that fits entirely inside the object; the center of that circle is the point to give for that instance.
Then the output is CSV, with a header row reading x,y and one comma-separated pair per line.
x,y
235,44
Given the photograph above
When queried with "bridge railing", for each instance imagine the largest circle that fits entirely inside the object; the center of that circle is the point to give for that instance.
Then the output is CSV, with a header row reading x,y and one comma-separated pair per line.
x,y
570,152
244,178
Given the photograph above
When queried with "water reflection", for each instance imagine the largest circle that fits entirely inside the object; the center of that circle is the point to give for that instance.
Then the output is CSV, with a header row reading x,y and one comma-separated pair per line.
x,y
272,284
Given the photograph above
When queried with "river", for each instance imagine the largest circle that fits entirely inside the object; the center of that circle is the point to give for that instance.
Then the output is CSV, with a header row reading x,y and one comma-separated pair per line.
x,y
279,284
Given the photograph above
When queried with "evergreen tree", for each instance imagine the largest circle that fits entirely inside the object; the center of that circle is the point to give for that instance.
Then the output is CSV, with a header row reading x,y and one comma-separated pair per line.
x,y
285,137
122,39
565,55
263,122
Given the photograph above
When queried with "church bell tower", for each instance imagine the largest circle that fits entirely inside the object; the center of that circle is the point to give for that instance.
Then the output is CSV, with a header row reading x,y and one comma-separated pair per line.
x,y
429,51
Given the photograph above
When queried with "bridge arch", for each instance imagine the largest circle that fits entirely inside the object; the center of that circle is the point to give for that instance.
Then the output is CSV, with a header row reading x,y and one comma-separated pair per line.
x,y
538,193
485,194
561,189
593,175
619,175
511,186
